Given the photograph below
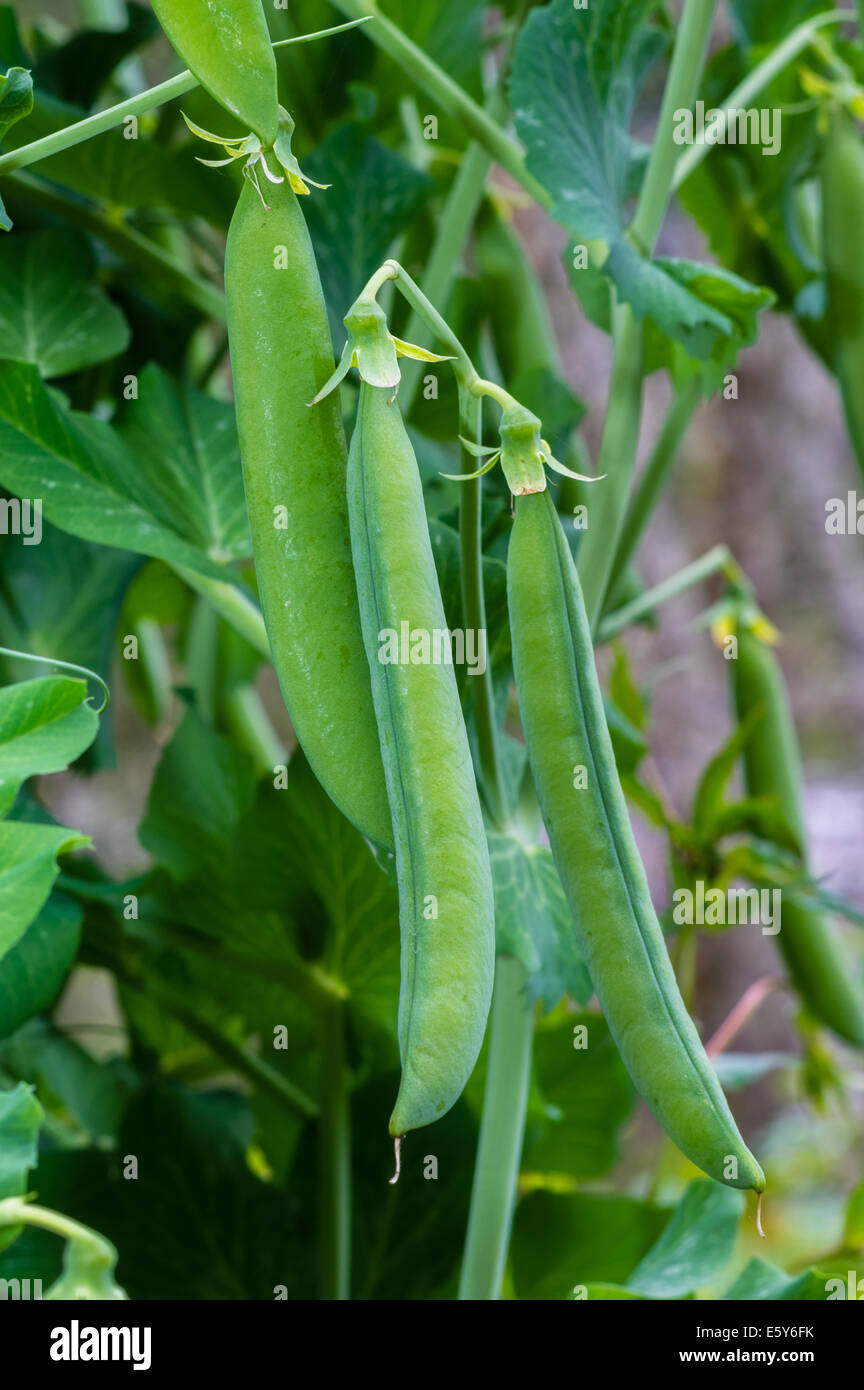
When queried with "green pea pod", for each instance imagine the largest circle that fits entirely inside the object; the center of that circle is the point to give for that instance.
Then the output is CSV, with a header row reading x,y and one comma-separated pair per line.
x,y
445,882
772,764
842,220
589,830
294,467
226,44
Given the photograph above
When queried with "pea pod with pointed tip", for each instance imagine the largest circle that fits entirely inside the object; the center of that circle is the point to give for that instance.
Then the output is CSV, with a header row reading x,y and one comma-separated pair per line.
x,y
589,830
445,882
226,44
772,766
842,179
294,467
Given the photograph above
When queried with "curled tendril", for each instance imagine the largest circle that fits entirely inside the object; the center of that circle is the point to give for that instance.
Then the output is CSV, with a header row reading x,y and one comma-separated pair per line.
x,y
66,666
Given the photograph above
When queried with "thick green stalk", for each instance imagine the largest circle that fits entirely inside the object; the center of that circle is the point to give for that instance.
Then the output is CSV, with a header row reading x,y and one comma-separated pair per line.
x,y
682,86
713,562
653,479
608,498
496,1174
450,97
156,665
239,610
201,656
249,722
621,432
334,1166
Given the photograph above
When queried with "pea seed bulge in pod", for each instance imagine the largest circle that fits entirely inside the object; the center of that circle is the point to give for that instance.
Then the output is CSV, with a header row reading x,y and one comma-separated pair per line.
x,y
431,679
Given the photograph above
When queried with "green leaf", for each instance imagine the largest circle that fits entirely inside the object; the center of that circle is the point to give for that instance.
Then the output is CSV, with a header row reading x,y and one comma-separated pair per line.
x,y
695,1247
52,311
628,743
563,1243
586,1096
202,786
45,724
20,1119
28,867
375,194
16,98
198,435
35,968
62,599
760,1280
67,1077
576,77
533,921
92,485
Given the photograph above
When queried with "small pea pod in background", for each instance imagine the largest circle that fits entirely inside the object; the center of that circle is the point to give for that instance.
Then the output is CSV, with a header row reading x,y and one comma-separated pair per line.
x,y
772,764
445,881
589,829
842,220
294,467
226,45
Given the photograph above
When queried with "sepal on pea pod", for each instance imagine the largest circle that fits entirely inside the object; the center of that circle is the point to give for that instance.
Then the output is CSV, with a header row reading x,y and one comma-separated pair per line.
x,y
523,454
373,349
250,149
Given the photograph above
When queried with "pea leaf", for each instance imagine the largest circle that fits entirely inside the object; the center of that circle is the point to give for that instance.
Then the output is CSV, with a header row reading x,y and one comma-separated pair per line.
x,y
533,922
28,867
187,442
35,968
586,1096
20,1119
45,725
374,197
562,1243
16,98
93,486
576,78
760,1281
52,313
695,1247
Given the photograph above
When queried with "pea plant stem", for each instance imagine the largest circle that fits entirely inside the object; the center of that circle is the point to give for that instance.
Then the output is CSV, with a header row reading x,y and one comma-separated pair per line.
x,y
624,412
112,116
713,562
653,479
249,721
496,1172
17,1211
239,610
450,97
334,1148
616,459
682,85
